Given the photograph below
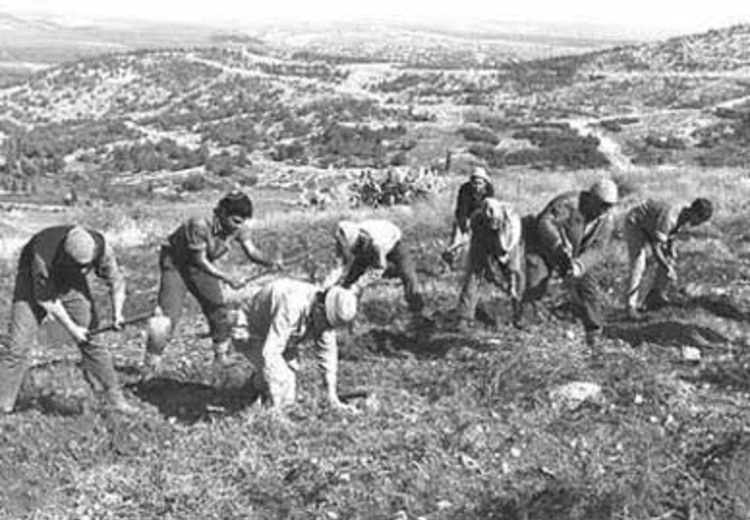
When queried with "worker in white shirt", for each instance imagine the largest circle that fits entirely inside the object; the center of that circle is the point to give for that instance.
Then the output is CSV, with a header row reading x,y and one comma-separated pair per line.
x,y
376,246
281,316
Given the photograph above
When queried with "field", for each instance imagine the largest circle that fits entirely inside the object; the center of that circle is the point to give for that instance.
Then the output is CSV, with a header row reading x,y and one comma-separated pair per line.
x,y
455,426
485,424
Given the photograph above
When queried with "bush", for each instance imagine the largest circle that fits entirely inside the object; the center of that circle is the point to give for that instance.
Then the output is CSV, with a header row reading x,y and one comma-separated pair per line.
x,y
492,156
193,183
473,133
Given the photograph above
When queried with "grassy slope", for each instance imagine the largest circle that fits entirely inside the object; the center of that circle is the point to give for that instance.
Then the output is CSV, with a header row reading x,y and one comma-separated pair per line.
x,y
458,426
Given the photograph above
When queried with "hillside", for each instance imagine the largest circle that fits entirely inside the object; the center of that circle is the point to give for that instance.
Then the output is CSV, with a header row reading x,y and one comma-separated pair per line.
x,y
244,110
490,423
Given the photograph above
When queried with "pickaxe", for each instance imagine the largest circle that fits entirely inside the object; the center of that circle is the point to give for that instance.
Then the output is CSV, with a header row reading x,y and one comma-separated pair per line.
x,y
138,318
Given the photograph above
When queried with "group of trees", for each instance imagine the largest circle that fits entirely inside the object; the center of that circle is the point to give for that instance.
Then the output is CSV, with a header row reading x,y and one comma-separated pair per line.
x,y
553,147
43,149
167,154
358,145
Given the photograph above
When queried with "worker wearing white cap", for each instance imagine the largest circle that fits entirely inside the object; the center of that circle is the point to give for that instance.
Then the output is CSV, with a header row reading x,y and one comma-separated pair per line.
x,y
285,313
375,245
496,253
471,194
51,282
570,237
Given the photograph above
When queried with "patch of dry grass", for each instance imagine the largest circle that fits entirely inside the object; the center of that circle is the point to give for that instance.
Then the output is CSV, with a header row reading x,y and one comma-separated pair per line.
x,y
456,427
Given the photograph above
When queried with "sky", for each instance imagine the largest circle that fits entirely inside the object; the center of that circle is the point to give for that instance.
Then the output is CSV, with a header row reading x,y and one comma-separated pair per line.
x,y
667,17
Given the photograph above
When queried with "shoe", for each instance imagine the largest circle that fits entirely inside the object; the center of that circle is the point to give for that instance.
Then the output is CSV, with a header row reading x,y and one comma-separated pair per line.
x,y
117,403
464,326
634,314
517,315
152,367
654,302
593,342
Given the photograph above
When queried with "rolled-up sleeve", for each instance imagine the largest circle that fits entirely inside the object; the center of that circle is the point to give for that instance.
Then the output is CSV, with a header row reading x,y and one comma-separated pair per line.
x,y
197,235
665,223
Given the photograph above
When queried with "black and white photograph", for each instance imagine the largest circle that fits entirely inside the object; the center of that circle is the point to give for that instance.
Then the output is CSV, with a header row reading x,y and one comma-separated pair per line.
x,y
396,260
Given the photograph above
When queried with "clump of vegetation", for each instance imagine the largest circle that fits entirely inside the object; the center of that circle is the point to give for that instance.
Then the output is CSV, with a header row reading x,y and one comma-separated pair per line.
x,y
393,188
479,134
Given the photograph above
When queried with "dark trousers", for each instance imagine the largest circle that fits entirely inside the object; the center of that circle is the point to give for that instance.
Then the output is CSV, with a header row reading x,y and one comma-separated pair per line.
x,y
480,267
26,315
399,264
180,277
584,291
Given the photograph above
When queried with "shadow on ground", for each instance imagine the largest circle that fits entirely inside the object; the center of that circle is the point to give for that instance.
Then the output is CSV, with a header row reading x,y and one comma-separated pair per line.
x,y
665,332
716,305
189,401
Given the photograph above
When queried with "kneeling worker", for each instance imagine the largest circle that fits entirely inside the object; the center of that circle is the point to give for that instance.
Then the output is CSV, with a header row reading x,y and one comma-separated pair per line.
x,y
285,313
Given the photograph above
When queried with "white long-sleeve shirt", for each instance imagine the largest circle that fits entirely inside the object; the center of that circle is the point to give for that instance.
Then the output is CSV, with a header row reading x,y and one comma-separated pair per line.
x,y
278,318
383,235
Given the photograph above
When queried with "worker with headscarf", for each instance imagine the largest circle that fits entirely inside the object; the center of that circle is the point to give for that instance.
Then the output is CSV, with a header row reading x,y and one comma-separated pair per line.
x,y
496,254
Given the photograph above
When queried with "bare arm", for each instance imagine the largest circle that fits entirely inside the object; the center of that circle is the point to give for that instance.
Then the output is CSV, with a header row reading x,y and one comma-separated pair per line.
x,y
664,260
109,270
254,254
202,262
56,310
327,357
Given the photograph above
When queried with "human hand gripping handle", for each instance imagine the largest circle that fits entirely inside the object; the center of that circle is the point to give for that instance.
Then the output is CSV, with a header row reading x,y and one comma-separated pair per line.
x,y
80,334
563,261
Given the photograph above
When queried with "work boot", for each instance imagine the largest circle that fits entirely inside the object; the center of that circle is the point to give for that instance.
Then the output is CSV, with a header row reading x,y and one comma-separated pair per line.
x,y
220,364
655,301
152,366
634,314
117,402
517,315
593,339
464,326
221,354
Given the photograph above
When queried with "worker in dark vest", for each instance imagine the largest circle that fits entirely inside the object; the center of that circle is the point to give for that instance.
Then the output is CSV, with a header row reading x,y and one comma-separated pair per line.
x,y
52,283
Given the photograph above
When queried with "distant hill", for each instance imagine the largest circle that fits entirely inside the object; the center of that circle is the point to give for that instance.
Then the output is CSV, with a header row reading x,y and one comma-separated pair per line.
x,y
376,97
29,44
716,50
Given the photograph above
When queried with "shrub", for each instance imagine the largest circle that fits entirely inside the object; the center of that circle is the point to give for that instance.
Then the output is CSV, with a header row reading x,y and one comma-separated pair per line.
x,y
473,133
193,183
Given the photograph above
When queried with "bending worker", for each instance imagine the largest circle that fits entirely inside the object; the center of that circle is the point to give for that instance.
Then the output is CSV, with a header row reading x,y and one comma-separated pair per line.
x,y
471,194
655,224
188,263
496,253
51,282
285,313
570,237
375,246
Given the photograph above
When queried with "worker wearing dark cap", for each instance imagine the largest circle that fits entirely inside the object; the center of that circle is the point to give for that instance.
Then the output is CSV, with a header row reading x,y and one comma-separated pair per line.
x,y
51,283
